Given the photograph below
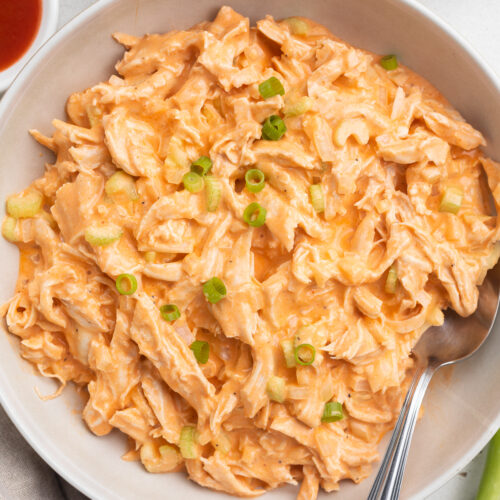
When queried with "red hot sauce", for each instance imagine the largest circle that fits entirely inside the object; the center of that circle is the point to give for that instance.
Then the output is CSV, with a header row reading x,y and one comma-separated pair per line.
x,y
19,23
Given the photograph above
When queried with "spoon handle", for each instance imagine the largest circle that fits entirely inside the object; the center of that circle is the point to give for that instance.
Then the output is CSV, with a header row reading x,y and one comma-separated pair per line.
x,y
388,481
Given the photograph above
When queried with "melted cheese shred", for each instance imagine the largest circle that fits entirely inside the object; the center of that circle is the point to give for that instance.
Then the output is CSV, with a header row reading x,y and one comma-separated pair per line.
x,y
382,145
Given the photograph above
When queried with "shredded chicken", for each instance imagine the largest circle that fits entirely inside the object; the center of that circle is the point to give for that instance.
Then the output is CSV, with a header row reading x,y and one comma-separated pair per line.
x,y
358,274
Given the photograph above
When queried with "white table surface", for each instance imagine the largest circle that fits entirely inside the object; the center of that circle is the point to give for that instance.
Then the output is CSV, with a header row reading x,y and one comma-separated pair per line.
x,y
478,21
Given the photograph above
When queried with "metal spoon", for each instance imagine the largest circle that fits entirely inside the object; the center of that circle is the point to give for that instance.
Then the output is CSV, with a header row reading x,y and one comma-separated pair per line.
x,y
454,341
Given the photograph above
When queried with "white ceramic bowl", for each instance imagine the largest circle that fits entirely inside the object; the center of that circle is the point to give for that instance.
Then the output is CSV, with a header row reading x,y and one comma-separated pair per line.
x,y
463,405
48,25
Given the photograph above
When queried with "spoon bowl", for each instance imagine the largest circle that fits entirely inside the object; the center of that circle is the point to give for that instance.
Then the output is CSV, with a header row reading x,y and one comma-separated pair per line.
x,y
458,337
455,340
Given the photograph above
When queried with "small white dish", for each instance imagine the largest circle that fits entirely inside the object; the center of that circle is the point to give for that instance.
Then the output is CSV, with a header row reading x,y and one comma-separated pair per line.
x,y
48,25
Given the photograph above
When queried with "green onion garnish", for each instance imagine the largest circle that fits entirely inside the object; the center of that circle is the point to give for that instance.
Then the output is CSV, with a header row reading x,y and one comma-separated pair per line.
x,y
255,215
213,192
391,280
170,312
121,183
489,489
202,165
288,352
273,128
389,62
24,205
126,284
187,442
295,106
451,200
255,180
102,234
214,290
271,87
201,351
9,229
332,412
297,26
169,455
317,198
304,354
193,182
276,389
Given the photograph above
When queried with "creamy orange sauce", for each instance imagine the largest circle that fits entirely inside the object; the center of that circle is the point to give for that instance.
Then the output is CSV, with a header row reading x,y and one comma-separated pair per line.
x,y
383,147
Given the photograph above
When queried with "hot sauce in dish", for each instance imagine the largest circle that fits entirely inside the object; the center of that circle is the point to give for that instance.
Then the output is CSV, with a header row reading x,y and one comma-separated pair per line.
x,y
19,23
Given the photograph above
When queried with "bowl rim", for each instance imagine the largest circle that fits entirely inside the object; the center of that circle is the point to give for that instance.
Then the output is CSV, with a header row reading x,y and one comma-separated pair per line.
x,y
48,26
78,478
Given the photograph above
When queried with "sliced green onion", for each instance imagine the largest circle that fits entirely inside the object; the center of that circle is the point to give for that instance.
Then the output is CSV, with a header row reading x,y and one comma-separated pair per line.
x,y
150,256
103,234
389,62
332,412
297,26
188,442
24,205
170,312
169,455
273,128
271,87
9,229
202,165
451,200
255,215
304,354
121,183
213,192
201,351
214,290
489,489
193,182
126,284
391,280
255,180
288,352
276,389
298,106
317,198
166,460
